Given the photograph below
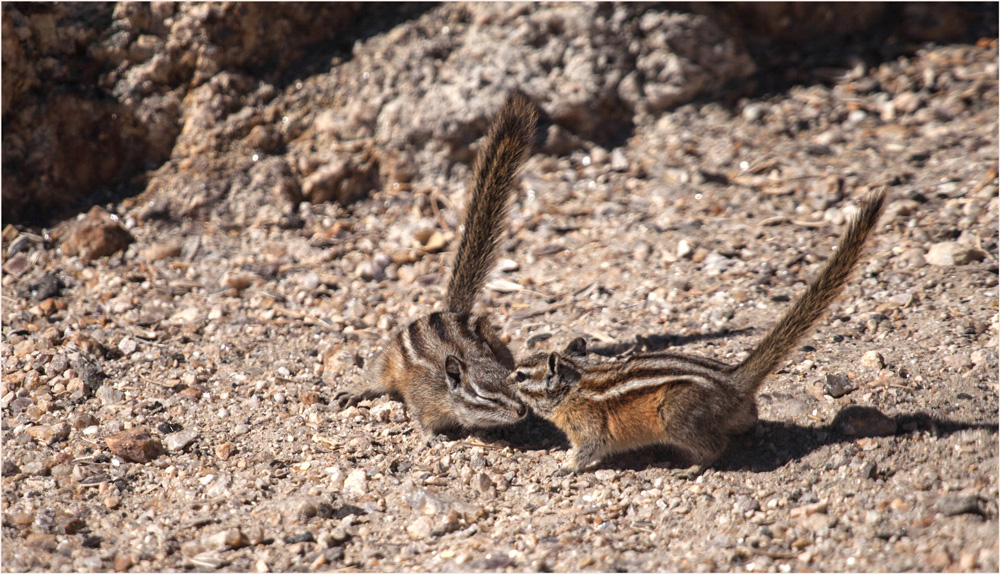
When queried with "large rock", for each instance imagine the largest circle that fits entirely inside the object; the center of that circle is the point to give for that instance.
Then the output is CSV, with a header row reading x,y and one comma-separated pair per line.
x,y
93,93
252,101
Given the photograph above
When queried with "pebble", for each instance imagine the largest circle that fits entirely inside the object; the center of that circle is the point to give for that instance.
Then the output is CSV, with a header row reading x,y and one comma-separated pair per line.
x,y
868,469
82,420
96,236
186,316
952,253
684,249
862,421
753,112
18,265
838,385
383,412
873,360
507,265
127,346
10,469
122,562
337,477
180,440
306,536
159,251
914,258
57,365
238,281
225,450
36,467
134,445
109,395
605,475
49,434
209,560
618,160
955,504
809,509
958,361
229,539
430,241
485,484
356,483
303,508
980,356
336,537
641,251
901,208
420,528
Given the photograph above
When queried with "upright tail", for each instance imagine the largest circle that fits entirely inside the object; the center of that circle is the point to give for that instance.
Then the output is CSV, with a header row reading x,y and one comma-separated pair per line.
x,y
798,321
506,149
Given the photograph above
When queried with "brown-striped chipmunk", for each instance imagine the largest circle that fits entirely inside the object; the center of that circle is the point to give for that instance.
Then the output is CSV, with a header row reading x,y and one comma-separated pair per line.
x,y
692,403
450,367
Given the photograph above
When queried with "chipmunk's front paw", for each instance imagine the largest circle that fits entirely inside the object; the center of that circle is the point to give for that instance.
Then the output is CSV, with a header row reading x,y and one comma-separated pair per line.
x,y
431,439
563,471
344,399
690,473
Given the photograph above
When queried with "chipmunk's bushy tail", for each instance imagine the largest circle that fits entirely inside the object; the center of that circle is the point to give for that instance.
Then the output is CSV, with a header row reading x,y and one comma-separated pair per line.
x,y
798,321
506,148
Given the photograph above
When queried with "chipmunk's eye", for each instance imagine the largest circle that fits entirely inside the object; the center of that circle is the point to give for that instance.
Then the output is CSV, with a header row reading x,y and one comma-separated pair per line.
x,y
520,376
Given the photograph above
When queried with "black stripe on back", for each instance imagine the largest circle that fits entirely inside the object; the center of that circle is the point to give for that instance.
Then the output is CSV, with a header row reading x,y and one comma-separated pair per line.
x,y
700,361
436,321
465,331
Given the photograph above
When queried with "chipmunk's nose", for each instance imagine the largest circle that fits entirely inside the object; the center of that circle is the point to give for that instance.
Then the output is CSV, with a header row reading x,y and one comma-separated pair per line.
x,y
522,410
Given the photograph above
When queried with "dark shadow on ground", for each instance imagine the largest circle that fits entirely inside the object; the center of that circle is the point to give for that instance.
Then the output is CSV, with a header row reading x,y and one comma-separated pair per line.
x,y
773,444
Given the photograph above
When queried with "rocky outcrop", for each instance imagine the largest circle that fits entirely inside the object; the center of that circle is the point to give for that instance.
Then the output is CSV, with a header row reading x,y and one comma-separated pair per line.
x,y
93,93
209,100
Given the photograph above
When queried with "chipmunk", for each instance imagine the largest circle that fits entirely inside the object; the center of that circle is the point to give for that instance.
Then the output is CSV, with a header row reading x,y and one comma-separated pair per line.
x,y
692,403
450,368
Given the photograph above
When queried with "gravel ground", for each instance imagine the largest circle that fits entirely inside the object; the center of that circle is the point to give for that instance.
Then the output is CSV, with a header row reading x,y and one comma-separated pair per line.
x,y
165,389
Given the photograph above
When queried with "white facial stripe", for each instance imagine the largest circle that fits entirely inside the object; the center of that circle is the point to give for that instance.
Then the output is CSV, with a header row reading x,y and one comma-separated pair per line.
x,y
412,354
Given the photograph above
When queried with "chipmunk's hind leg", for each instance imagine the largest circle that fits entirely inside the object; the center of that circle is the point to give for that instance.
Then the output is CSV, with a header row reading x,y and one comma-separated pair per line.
x,y
743,418
692,425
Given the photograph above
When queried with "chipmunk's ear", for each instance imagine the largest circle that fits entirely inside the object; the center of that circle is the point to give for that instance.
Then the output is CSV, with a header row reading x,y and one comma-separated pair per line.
x,y
560,371
552,365
577,348
453,369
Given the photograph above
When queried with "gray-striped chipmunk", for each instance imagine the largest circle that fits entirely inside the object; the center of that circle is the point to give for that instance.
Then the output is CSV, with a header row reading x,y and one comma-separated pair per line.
x,y
692,403
450,367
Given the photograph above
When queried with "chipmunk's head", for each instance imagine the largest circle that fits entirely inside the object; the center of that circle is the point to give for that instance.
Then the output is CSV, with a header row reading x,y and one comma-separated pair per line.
x,y
543,379
479,393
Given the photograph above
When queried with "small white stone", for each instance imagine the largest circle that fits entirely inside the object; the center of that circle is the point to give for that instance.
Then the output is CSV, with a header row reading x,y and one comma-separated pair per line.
x,y
873,360
128,346
684,249
356,483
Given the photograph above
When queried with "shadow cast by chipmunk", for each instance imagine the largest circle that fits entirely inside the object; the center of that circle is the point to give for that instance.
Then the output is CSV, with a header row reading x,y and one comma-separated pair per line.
x,y
773,444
